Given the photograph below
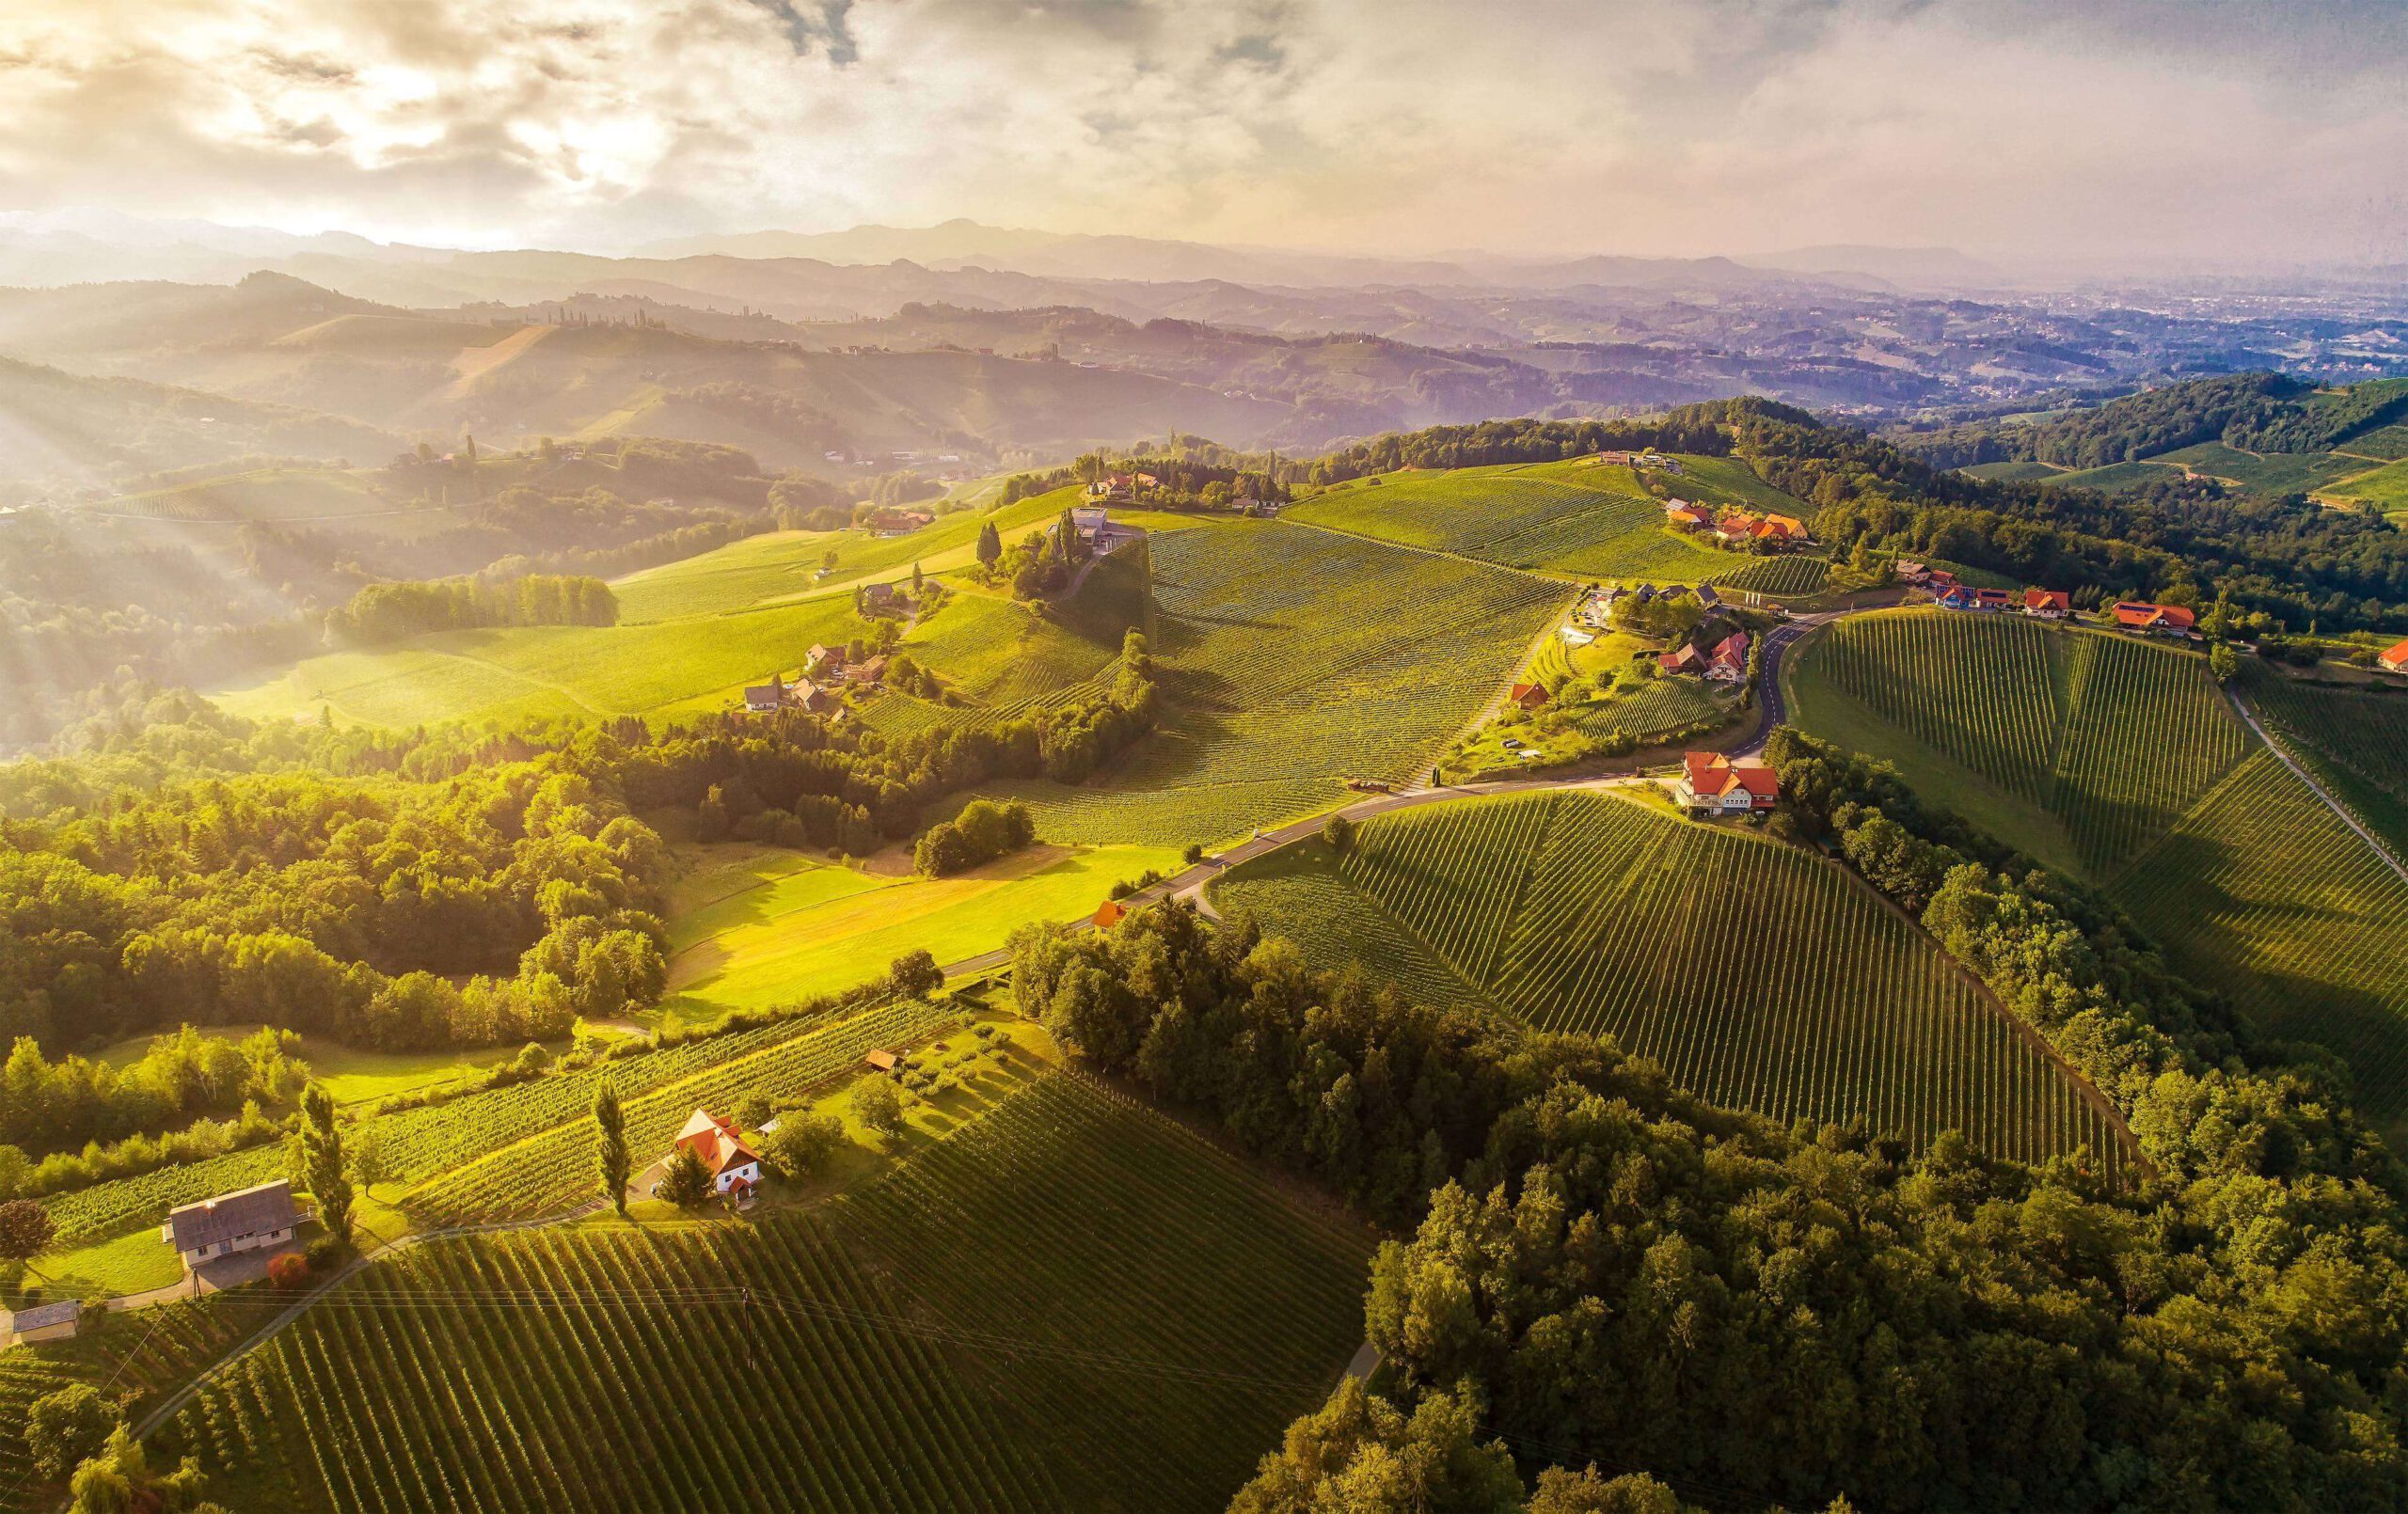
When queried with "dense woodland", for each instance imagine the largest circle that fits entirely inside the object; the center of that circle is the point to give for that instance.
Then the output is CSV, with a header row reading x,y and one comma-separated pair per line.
x,y
2257,412
1602,1269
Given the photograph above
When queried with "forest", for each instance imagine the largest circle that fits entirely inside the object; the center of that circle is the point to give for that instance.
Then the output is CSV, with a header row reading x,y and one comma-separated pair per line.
x,y
2257,412
1604,1270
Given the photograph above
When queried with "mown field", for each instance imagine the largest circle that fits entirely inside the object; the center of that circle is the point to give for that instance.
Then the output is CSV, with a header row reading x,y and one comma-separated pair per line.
x,y
1759,975
1576,518
1292,658
1069,1303
2262,473
809,928
2078,747
2384,488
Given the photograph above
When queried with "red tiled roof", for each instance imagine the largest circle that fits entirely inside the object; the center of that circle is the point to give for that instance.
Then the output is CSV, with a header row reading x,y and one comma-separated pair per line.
x,y
2393,657
1531,694
716,1141
2047,599
1710,772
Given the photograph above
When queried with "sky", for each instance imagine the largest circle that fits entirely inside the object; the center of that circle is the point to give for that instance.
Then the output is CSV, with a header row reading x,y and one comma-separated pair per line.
x,y
2057,132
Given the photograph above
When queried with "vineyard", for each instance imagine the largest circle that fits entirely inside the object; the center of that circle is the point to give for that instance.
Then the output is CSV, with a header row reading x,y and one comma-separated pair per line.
x,y
2109,738
1069,1272
1757,974
2355,743
1784,575
2262,893
1660,705
1291,660
1592,521
553,1171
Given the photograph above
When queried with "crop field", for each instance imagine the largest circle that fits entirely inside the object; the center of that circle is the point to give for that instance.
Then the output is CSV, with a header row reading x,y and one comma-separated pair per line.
x,y
2268,473
2384,488
1593,522
807,933
2105,738
1781,576
2263,893
1759,975
1729,481
1292,658
2357,744
553,1171
1661,705
1068,1271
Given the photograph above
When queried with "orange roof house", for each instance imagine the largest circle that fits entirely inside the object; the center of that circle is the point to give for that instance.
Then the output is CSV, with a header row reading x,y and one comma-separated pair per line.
x,y
2050,602
2394,658
2139,614
1790,526
723,1149
1109,914
1712,784
1528,696
1686,518
879,1061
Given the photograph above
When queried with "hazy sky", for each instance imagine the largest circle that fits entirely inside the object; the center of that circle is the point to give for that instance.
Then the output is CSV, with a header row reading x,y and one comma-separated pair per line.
x,y
2023,129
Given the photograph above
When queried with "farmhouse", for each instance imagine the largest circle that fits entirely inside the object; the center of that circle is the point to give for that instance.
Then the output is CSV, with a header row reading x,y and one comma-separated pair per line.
x,y
2047,604
899,522
1707,599
878,596
1788,527
1528,696
1992,599
1711,783
1108,914
823,659
2392,658
1682,515
866,673
2154,619
763,699
813,699
732,1164
1912,572
44,1322
1090,521
1957,598
1685,658
243,1221
1729,661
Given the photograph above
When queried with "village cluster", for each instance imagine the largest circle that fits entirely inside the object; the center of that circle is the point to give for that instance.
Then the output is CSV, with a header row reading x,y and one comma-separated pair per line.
x,y
826,675
2136,615
1740,529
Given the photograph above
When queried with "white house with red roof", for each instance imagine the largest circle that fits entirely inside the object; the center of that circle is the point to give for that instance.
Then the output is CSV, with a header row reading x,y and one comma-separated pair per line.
x,y
731,1162
2392,658
1729,664
2160,620
1712,784
2047,604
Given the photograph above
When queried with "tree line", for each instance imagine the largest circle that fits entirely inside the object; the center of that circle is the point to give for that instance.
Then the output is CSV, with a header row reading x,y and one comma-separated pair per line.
x,y
392,611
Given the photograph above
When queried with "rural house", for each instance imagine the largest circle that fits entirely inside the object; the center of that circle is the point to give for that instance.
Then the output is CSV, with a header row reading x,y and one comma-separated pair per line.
x,y
732,1164
814,701
2047,604
1729,661
1108,914
2392,658
1992,599
247,1219
1091,523
1956,596
1682,515
1708,599
823,660
1711,783
2153,619
1685,658
43,1322
1528,696
764,699
866,673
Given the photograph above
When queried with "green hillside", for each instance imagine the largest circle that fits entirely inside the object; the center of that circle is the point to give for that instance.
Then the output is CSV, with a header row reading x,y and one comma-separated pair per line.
x,y
2080,747
2121,762
1070,1302
1292,658
1755,973
1577,517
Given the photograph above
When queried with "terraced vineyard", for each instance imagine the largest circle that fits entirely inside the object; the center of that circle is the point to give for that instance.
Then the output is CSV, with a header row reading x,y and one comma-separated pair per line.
x,y
2264,894
1663,704
1575,518
1070,1272
1757,974
2104,739
552,1171
1777,576
1293,658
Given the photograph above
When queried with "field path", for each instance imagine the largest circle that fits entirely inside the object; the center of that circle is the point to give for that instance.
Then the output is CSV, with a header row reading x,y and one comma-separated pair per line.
x,y
2313,786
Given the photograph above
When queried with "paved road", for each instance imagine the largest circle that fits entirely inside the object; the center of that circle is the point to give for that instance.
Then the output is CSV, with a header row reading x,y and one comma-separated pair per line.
x,y
1771,708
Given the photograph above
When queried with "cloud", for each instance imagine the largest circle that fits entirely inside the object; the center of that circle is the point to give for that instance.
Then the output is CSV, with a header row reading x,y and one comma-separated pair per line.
x,y
2030,128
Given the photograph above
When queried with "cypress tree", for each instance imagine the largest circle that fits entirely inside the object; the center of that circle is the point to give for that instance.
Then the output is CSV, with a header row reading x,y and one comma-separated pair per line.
x,y
991,546
321,1158
615,1167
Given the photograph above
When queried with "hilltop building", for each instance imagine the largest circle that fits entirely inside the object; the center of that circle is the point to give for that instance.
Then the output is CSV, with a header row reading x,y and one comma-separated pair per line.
x,y
2152,620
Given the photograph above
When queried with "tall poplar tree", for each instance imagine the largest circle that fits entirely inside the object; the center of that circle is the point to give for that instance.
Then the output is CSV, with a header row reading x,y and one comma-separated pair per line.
x,y
615,1167
321,1158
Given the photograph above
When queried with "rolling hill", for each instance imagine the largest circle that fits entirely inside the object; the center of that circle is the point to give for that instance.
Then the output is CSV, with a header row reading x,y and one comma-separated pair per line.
x,y
2122,763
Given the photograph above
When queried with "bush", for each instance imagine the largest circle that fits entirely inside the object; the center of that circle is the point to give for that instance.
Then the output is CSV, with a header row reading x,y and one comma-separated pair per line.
x,y
1194,854
803,1144
1339,833
64,1428
288,1270
327,1253
684,1182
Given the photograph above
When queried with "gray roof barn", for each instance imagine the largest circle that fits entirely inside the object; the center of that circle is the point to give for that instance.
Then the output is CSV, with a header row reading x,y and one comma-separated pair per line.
x,y
249,1212
41,1317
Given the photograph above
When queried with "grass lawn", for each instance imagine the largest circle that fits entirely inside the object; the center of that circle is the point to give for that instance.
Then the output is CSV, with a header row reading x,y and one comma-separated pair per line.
x,y
801,932
133,1262
2384,488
